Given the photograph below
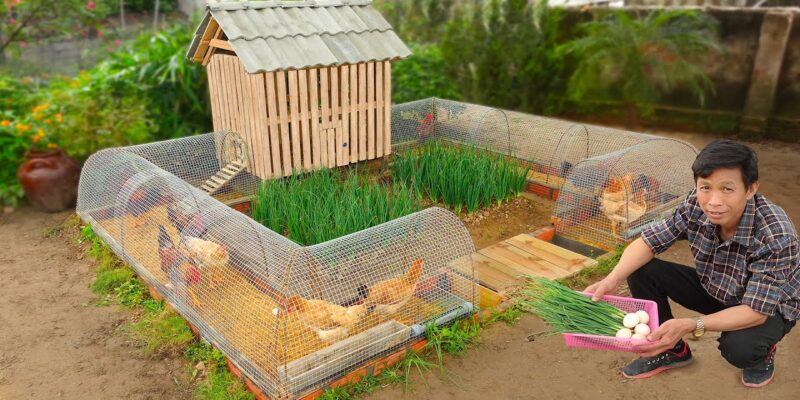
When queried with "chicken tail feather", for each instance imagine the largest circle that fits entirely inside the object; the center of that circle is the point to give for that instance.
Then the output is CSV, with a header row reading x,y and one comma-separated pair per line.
x,y
414,272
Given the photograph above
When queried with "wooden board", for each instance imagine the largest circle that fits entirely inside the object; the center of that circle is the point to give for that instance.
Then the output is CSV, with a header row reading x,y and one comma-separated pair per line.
x,y
387,108
261,149
345,125
315,125
562,258
362,111
370,110
379,110
523,262
335,139
325,110
272,117
354,142
280,78
486,271
305,120
294,128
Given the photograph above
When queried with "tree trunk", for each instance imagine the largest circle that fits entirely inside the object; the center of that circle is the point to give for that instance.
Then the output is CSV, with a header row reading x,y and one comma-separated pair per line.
x,y
122,13
155,14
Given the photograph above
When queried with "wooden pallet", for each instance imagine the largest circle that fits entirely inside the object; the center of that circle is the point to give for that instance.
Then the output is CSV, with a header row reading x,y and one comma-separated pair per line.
x,y
218,180
502,265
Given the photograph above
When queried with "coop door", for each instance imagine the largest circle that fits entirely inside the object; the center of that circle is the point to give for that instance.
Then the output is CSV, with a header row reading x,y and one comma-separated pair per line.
x,y
333,148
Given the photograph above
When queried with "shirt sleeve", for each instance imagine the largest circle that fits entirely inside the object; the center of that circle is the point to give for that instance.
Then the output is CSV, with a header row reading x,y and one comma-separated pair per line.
x,y
773,275
660,235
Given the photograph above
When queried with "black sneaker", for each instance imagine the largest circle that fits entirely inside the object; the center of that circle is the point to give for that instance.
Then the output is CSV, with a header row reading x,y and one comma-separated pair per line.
x,y
645,367
761,374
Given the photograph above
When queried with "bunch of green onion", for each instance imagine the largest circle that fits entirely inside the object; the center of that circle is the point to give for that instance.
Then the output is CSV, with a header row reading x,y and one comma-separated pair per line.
x,y
568,311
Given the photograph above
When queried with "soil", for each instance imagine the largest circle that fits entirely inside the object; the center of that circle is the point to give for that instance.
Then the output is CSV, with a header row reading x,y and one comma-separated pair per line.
x,y
55,344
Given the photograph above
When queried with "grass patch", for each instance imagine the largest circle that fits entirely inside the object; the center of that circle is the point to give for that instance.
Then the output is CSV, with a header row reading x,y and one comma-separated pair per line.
x,y
320,206
589,275
461,177
218,382
160,331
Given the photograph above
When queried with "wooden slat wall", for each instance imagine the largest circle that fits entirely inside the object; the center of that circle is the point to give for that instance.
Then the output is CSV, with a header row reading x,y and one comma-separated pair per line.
x,y
304,119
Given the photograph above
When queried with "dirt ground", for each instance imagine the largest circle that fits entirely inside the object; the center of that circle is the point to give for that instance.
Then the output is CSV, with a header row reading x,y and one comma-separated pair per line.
x,y
54,344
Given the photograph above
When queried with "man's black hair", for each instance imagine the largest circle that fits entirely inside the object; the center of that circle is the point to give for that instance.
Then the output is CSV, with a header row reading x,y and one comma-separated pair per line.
x,y
724,153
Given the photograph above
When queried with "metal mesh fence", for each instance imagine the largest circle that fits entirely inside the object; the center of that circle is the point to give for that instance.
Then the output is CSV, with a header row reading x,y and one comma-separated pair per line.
x,y
294,318
607,200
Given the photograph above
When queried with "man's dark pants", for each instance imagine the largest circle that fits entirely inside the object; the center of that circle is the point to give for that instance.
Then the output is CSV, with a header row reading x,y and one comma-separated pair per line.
x,y
659,280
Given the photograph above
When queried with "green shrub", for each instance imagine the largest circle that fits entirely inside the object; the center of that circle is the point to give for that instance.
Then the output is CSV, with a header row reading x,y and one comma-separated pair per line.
x,y
422,75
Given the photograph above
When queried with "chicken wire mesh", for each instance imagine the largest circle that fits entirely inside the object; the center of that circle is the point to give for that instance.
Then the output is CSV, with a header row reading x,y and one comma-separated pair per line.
x,y
292,318
607,200
551,147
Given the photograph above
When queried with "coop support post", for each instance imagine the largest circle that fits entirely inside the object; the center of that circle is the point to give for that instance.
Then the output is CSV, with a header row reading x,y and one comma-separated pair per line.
x,y
775,30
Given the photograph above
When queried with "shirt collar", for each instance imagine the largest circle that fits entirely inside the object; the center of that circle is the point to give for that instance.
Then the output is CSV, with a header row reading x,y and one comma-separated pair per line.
x,y
744,233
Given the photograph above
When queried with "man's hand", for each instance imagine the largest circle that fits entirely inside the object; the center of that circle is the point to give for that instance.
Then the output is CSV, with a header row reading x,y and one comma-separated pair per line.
x,y
608,285
665,337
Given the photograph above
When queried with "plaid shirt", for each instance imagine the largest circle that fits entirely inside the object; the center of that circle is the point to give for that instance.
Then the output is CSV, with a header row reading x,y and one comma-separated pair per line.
x,y
759,266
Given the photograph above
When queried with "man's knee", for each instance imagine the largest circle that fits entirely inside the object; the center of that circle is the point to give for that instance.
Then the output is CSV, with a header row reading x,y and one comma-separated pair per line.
x,y
741,349
643,274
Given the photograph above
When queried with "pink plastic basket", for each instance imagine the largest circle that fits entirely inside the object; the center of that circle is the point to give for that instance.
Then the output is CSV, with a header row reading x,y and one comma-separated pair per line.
x,y
626,304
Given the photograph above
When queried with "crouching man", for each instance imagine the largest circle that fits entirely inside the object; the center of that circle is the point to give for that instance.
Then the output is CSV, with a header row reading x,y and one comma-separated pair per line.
x,y
746,283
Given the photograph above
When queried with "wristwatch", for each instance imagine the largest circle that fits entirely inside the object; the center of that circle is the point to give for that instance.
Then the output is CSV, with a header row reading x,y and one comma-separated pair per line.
x,y
699,328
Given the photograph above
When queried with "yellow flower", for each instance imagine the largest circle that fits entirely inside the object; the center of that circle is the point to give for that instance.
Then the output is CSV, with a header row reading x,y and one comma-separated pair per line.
x,y
51,146
23,127
5,123
58,117
37,117
47,121
40,107
39,135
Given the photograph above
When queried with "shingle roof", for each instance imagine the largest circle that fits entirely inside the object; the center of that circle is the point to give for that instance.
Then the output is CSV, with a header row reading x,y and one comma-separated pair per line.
x,y
274,35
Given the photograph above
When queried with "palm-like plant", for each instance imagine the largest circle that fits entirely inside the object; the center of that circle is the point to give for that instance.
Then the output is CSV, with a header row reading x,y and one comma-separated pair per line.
x,y
637,60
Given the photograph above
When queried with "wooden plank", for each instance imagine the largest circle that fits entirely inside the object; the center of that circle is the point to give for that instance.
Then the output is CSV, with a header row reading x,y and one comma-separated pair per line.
x,y
370,110
335,140
245,108
212,51
480,259
255,155
326,116
387,108
208,33
313,87
379,109
221,123
294,128
220,44
304,120
345,145
522,262
486,273
354,146
272,117
233,99
362,112
260,101
213,94
280,84
561,257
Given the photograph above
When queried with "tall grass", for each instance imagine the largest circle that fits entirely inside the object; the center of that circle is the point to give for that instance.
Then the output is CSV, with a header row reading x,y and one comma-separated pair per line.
x,y
320,206
461,177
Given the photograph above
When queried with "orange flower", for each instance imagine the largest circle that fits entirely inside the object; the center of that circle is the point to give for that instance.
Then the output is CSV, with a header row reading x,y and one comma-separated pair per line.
x,y
37,117
5,123
47,121
39,135
23,127
51,146
58,117
40,107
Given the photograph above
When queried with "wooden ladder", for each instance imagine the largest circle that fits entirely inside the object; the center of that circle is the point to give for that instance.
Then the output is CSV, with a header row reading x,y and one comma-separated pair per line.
x,y
218,180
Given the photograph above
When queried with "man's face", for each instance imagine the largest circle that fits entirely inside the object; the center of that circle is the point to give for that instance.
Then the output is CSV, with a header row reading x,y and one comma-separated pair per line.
x,y
723,196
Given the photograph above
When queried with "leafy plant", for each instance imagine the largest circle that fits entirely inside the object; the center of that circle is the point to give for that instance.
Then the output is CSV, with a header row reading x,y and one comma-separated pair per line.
x,y
636,60
460,176
318,207
422,75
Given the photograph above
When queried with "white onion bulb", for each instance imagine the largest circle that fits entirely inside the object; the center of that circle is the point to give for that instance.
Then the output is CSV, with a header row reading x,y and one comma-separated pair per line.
x,y
630,320
644,317
642,329
638,336
624,333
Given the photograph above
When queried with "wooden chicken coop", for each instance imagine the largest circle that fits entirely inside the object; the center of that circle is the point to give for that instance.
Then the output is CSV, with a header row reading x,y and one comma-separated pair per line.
x,y
306,84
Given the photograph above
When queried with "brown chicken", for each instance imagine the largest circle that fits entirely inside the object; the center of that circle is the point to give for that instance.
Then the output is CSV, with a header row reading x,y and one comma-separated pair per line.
x,y
329,321
387,296
622,203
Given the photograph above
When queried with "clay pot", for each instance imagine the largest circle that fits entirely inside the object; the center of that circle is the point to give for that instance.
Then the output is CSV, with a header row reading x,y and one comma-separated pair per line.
x,y
50,180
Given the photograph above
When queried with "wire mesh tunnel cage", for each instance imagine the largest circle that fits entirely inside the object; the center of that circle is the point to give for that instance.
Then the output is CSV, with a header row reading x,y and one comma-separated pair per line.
x,y
607,200
550,147
292,318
